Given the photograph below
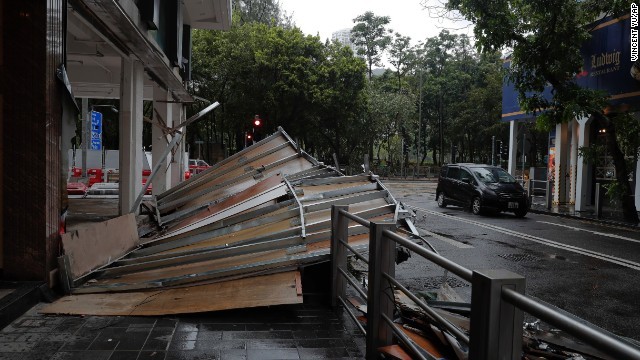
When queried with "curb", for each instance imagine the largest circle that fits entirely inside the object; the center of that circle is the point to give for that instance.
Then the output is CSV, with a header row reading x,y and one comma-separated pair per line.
x,y
600,221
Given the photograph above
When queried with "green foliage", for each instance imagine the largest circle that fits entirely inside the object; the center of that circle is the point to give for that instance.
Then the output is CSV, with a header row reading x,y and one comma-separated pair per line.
x,y
263,11
461,97
291,80
371,37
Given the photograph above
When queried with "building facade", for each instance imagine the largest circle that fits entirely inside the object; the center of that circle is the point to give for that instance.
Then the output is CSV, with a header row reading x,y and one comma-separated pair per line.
x,y
53,53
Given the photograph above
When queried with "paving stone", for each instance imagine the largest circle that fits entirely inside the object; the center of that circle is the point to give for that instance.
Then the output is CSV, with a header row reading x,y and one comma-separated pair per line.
x,y
133,340
280,334
124,355
220,344
193,355
323,353
209,335
271,344
279,354
222,327
152,355
17,346
186,326
158,339
82,355
320,343
233,354
185,336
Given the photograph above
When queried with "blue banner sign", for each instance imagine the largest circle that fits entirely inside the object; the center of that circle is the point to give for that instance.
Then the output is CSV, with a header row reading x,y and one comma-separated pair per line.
x,y
606,66
96,130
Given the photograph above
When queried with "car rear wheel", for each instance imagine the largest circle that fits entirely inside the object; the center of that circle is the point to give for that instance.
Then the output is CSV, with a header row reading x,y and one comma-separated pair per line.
x,y
441,202
476,206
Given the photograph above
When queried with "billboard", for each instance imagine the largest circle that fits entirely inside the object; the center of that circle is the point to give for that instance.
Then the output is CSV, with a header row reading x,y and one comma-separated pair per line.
x,y
96,130
606,66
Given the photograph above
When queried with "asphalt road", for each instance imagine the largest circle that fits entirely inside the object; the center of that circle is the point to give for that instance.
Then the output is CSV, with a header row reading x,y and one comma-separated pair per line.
x,y
588,269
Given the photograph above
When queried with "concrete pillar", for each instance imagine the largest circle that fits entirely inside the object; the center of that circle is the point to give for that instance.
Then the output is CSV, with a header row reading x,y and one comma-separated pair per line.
x,y
176,174
573,160
561,171
162,117
513,152
131,113
583,188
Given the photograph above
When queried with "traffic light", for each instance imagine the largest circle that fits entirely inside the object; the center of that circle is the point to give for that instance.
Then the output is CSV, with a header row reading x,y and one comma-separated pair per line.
x,y
256,127
405,148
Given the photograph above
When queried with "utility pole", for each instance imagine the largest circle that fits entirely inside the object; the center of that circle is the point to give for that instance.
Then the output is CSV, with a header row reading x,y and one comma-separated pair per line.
x,y
493,150
86,135
419,124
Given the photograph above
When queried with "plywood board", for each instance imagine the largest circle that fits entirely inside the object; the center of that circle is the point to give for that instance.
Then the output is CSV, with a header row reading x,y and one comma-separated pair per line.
x,y
99,244
266,290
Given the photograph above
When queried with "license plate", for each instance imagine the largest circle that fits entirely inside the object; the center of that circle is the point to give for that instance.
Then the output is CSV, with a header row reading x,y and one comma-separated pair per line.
x,y
512,205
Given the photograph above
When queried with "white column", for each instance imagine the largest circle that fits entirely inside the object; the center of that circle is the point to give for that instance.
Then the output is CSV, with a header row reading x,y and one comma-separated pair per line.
x,y
573,161
162,117
131,113
562,147
177,163
583,190
513,151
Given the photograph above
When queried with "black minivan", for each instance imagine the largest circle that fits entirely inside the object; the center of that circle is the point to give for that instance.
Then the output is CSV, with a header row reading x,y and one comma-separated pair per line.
x,y
481,187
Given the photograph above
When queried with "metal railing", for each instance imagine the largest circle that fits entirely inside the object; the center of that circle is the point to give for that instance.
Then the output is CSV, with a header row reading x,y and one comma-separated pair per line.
x,y
498,301
548,186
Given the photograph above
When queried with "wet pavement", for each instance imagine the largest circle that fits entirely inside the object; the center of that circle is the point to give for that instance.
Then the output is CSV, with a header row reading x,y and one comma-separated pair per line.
x,y
305,331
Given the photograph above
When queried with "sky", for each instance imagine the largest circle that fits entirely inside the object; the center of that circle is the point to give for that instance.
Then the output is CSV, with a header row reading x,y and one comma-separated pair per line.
x,y
407,17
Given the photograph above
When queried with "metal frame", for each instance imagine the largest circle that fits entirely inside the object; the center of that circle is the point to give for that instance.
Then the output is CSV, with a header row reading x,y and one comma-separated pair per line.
x,y
498,300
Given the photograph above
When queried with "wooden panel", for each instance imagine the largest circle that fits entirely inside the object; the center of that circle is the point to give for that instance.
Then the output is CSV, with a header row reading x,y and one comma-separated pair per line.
x,y
275,289
98,244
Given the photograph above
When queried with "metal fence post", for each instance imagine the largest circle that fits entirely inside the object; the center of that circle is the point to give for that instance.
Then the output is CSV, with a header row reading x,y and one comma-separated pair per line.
x,y
382,255
496,325
598,200
339,231
549,193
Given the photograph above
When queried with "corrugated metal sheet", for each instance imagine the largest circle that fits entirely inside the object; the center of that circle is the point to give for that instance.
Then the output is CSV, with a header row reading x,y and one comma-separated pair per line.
x,y
264,210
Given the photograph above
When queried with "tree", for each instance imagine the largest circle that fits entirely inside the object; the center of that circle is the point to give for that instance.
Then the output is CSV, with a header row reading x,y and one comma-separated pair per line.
x,y
313,90
546,38
401,56
262,11
371,37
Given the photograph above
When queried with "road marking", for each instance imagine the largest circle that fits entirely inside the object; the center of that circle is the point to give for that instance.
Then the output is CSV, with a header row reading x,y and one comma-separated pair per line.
x,y
455,243
612,259
620,237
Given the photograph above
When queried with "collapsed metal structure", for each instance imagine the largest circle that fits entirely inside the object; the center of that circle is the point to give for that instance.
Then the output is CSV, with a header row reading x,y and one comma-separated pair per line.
x,y
261,212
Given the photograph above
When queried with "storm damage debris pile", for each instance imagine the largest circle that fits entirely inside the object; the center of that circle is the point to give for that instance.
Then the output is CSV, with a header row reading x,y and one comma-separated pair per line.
x,y
235,235
434,341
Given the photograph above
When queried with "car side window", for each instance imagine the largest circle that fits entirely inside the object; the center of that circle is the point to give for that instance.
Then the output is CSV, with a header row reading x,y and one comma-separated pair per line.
x,y
453,173
443,171
465,176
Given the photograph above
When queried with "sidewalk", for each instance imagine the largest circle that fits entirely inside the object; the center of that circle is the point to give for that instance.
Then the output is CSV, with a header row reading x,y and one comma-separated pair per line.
x,y
305,331
609,216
